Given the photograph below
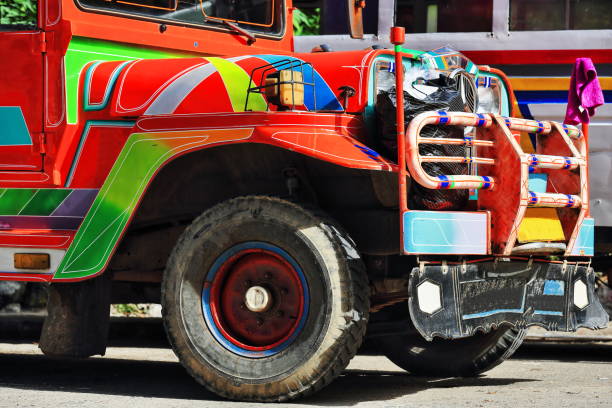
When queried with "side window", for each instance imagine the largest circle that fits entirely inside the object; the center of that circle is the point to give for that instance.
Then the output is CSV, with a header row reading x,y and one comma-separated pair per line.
x,y
257,15
18,15
328,17
560,15
444,16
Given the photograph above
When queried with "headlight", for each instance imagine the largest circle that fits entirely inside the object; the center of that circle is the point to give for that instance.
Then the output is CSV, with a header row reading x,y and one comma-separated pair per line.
x,y
489,98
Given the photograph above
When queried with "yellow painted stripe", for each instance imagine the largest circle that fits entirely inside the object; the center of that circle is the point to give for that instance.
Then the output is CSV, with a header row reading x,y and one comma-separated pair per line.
x,y
551,83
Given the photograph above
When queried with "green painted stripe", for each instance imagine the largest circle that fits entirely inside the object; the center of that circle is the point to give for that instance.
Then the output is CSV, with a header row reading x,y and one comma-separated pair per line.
x,y
45,202
15,199
110,212
415,53
236,82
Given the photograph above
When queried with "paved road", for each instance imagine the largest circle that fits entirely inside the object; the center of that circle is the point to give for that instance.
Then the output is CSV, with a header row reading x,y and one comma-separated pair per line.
x,y
539,376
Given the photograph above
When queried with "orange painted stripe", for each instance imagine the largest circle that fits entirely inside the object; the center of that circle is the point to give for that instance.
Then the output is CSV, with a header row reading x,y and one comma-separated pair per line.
x,y
551,83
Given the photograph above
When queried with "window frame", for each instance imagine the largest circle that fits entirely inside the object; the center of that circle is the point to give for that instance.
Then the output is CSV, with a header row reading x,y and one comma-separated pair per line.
x,y
217,26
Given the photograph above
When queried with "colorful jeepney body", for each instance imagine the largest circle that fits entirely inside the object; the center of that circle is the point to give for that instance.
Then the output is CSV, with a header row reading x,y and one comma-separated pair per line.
x,y
120,124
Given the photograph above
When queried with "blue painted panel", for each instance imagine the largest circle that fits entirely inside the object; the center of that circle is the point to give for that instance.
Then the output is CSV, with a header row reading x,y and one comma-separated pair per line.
x,y
538,182
14,129
554,288
440,232
585,241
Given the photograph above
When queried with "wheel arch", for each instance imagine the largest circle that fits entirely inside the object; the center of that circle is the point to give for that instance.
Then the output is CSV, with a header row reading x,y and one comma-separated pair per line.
x,y
187,184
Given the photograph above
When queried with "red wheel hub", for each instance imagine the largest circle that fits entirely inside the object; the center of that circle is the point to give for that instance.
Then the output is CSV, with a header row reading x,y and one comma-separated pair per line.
x,y
257,299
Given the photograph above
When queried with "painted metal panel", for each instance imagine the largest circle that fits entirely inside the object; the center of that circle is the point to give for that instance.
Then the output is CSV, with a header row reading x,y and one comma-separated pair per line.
x,y
438,232
586,239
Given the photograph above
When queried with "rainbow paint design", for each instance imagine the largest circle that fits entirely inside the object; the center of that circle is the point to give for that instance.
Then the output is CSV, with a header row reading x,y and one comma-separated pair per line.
x,y
44,209
142,156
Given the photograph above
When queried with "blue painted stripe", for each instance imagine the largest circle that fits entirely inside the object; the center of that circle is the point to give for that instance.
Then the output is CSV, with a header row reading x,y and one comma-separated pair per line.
x,y
14,128
481,119
550,96
444,181
533,198
568,163
109,86
210,322
488,182
554,288
548,312
491,313
443,118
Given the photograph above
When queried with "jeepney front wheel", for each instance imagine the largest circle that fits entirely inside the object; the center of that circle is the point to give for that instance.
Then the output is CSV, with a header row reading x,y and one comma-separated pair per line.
x,y
465,357
264,300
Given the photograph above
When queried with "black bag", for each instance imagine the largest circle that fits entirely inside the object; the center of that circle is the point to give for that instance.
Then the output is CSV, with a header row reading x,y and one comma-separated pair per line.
x,y
446,98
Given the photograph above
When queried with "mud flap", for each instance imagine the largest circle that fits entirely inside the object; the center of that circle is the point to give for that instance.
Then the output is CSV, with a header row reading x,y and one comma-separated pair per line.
x,y
456,301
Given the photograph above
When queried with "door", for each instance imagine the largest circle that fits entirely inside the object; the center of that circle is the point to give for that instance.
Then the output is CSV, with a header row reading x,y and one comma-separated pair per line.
x,y
21,86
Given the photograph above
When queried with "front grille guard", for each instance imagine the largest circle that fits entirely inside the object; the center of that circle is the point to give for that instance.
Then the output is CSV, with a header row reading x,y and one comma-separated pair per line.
x,y
503,168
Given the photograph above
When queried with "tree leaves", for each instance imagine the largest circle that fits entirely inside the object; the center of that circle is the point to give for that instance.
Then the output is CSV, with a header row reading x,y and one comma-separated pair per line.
x,y
18,12
307,21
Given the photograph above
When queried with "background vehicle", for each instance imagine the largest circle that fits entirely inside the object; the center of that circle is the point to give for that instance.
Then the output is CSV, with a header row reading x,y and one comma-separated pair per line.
x,y
535,46
182,150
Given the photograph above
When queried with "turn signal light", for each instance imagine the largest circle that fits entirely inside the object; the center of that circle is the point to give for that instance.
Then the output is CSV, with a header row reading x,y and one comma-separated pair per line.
x,y
32,261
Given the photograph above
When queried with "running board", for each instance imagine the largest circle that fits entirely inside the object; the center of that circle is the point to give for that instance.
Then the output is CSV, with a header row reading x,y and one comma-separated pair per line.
x,y
455,301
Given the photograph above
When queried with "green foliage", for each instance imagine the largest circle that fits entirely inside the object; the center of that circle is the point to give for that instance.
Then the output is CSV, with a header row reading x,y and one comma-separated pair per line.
x,y
307,21
127,309
18,12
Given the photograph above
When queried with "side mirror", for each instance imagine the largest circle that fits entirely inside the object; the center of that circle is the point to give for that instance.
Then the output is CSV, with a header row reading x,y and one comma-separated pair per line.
x,y
355,17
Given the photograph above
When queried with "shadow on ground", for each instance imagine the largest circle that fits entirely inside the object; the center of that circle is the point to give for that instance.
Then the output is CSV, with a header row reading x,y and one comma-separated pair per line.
x,y
168,380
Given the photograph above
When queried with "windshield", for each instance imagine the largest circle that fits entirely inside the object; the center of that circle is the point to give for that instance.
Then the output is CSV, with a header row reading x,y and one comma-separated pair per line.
x,y
447,59
258,14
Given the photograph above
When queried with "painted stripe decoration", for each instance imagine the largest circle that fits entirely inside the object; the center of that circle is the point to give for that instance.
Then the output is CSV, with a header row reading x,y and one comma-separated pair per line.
x,y
83,139
325,97
26,201
116,201
44,209
14,129
88,105
481,119
236,82
443,120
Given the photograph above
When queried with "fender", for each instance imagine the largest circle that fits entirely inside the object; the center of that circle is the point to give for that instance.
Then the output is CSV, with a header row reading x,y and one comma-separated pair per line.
x,y
211,84
157,140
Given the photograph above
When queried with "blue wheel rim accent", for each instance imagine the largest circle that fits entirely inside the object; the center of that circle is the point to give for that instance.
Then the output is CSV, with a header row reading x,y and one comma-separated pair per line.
x,y
208,318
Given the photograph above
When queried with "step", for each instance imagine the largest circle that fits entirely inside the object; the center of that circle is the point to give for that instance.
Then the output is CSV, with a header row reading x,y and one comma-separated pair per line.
x,y
543,161
554,200
456,159
456,141
448,182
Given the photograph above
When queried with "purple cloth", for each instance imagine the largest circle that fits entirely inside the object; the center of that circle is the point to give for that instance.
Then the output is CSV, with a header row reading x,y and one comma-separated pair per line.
x,y
584,94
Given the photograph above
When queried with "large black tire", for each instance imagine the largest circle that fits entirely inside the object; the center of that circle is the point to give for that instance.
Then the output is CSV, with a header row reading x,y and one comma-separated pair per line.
x,y
337,299
466,357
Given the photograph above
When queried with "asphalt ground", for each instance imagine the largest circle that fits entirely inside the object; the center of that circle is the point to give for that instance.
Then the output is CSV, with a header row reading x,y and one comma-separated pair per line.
x,y
140,371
